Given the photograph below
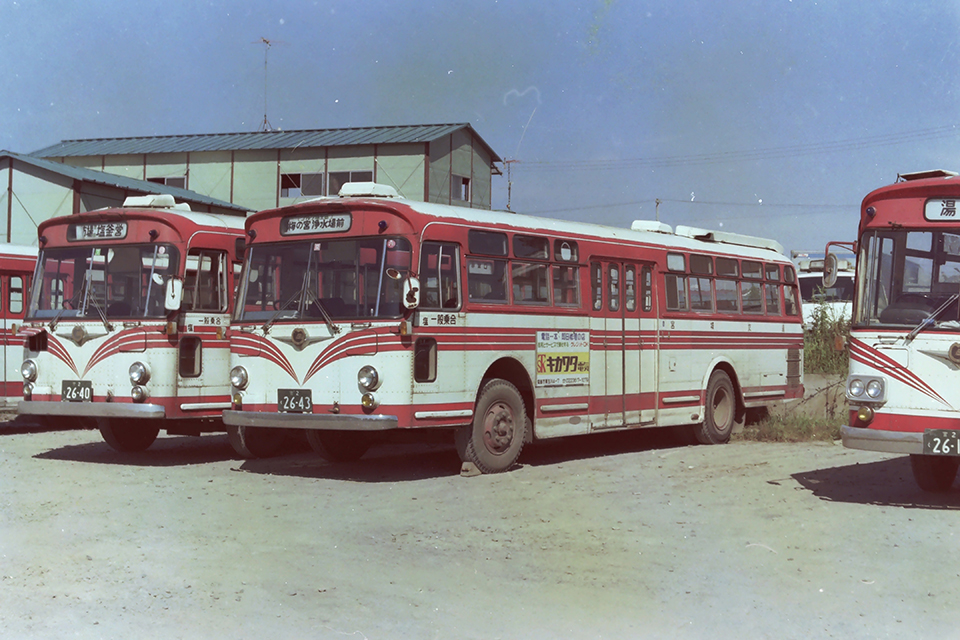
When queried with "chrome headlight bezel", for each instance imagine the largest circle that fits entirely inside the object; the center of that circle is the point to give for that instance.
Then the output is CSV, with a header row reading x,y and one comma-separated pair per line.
x,y
139,373
368,378
239,377
872,389
29,370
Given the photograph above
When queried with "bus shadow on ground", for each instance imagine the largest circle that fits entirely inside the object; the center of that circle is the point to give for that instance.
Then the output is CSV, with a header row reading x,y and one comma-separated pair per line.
x,y
169,451
408,461
887,483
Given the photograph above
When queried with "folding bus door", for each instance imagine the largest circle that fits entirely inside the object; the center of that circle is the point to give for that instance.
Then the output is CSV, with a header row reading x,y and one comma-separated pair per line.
x,y
13,289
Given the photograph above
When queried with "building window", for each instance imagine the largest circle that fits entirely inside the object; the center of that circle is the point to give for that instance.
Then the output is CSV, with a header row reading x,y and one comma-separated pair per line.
x,y
460,188
340,178
294,185
179,182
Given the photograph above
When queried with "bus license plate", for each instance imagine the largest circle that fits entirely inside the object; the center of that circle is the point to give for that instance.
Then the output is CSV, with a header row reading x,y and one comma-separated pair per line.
x,y
294,401
941,442
76,391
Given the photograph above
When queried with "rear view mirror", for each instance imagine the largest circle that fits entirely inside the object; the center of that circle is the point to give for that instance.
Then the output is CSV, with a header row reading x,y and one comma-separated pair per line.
x,y
172,294
830,270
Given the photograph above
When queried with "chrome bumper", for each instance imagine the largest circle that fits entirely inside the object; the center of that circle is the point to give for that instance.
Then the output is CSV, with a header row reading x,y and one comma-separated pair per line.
x,y
319,421
90,409
877,440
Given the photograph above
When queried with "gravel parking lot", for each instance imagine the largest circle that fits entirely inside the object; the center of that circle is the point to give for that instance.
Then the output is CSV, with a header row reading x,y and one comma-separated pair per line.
x,y
616,536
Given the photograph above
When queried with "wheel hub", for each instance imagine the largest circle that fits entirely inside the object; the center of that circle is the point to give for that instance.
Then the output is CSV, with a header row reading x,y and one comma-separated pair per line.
x,y
498,428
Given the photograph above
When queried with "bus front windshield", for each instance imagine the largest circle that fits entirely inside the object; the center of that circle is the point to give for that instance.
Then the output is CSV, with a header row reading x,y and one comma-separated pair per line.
x,y
324,280
102,282
909,278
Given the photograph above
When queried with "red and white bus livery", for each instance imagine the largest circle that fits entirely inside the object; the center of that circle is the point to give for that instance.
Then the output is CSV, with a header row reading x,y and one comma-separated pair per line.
x,y
905,334
127,318
360,314
16,268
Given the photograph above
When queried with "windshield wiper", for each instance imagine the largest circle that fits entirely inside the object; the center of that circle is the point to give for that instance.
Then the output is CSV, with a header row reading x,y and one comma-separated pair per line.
x,y
294,298
931,320
334,327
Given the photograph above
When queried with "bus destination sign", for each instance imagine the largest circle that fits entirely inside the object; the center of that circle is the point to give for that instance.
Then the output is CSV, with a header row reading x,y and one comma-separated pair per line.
x,y
941,209
315,223
97,231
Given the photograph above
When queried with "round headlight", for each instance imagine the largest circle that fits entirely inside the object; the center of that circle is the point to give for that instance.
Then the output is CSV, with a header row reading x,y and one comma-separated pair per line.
x,y
239,377
29,370
139,373
368,378
874,389
27,390
139,394
855,388
369,401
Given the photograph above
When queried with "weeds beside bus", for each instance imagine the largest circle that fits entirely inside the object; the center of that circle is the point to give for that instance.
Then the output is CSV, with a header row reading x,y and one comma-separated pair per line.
x,y
360,316
127,317
905,334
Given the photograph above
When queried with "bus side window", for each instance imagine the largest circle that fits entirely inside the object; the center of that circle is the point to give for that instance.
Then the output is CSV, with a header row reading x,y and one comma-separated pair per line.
x,y
773,299
205,288
440,276
790,300
596,285
646,287
613,304
486,280
16,295
566,286
630,287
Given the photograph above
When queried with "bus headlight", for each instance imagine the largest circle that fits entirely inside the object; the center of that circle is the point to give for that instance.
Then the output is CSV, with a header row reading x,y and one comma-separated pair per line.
x,y
855,388
369,402
368,378
27,390
139,373
875,389
239,377
29,370
139,394
866,389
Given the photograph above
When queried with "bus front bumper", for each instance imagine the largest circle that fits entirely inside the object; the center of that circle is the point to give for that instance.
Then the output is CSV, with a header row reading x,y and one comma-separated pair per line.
x,y
318,421
90,409
880,440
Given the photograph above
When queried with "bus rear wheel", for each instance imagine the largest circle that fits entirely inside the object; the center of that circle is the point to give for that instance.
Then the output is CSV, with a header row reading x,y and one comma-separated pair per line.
x,y
934,473
494,441
721,411
255,442
132,435
339,446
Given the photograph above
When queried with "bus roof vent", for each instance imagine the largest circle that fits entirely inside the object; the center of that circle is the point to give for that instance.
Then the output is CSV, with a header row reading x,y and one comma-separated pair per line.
x,y
651,225
367,189
729,238
920,175
155,201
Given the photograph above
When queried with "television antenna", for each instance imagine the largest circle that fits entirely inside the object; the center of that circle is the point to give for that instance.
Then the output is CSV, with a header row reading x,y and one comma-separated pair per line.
x,y
265,125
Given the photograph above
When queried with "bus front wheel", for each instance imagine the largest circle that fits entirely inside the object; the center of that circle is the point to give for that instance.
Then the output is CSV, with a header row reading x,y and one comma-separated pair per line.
x,y
132,435
721,411
339,446
934,473
494,440
255,442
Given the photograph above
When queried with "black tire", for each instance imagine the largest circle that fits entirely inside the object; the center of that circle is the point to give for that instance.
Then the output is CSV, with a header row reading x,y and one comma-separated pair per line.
x,y
721,411
132,435
255,442
934,473
494,441
339,446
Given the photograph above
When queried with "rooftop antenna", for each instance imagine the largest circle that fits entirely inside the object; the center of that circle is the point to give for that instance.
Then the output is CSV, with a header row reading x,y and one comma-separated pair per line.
x,y
265,125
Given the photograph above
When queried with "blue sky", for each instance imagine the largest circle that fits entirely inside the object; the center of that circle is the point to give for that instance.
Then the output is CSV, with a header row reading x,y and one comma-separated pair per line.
x,y
766,117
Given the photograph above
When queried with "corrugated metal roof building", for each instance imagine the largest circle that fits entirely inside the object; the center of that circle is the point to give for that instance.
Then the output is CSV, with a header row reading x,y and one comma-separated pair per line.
x,y
33,190
447,163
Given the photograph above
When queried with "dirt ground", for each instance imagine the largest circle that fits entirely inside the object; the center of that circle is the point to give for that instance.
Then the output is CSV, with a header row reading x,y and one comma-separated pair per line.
x,y
615,536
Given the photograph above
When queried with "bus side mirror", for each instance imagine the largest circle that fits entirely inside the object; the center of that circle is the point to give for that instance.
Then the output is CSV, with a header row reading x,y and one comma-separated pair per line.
x,y
411,293
172,294
830,270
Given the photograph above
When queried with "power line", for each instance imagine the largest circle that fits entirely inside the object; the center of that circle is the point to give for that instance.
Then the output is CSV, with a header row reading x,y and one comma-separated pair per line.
x,y
637,203
944,131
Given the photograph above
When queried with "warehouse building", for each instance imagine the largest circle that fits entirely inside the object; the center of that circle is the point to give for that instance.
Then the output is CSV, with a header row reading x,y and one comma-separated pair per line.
x,y
33,190
446,163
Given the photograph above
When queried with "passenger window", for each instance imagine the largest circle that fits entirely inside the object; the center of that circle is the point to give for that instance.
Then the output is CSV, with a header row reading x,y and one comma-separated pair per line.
x,y
530,283
486,280
728,301
487,243
701,294
790,300
613,282
566,286
440,276
773,299
630,287
531,247
676,290
646,284
596,285
752,296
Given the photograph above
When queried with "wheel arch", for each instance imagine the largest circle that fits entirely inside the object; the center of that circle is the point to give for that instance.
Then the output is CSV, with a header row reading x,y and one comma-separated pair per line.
x,y
514,372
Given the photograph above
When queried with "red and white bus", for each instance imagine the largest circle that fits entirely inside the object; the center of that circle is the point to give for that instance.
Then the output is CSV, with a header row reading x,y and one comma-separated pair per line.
x,y
359,315
905,333
16,268
127,318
